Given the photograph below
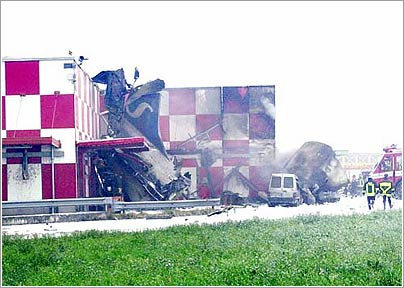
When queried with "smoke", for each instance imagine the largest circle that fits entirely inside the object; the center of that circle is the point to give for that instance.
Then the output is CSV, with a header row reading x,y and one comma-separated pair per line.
x,y
276,165
268,107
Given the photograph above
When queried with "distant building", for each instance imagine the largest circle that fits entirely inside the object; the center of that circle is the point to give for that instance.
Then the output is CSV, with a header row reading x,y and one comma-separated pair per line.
x,y
355,163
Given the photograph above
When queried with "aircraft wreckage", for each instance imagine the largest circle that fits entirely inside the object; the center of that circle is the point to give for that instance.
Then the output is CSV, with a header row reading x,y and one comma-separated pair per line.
x,y
134,112
153,174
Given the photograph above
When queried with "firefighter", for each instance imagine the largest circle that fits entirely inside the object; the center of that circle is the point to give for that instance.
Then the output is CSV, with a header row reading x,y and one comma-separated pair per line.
x,y
370,189
386,189
360,181
354,186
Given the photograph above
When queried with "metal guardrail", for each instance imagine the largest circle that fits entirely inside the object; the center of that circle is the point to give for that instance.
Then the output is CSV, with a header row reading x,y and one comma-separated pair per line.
x,y
110,204
153,205
104,201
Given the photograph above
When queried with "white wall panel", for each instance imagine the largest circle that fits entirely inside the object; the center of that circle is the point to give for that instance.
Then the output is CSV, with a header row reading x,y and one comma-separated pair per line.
x,y
235,126
86,120
182,127
54,77
164,103
208,101
67,138
23,112
24,190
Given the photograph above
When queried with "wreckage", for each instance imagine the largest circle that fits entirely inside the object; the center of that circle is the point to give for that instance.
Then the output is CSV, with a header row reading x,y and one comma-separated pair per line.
x,y
133,111
153,174
320,173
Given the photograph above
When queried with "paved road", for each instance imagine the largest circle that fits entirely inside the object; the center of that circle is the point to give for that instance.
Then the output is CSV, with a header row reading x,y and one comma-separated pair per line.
x,y
344,207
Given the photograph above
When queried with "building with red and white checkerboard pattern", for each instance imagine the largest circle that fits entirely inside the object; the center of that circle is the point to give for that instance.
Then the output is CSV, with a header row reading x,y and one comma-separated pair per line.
x,y
48,104
237,123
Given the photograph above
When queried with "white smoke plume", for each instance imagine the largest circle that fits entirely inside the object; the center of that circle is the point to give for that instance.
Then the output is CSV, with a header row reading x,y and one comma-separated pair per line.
x,y
268,106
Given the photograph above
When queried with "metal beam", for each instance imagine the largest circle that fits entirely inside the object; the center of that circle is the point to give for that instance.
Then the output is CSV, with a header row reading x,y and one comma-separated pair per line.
x,y
56,153
156,205
56,203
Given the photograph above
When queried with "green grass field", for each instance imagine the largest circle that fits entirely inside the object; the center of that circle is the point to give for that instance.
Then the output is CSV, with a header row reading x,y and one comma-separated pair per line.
x,y
358,250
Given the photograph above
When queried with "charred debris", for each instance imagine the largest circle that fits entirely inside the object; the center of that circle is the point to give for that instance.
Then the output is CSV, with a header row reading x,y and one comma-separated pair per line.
x,y
133,111
320,174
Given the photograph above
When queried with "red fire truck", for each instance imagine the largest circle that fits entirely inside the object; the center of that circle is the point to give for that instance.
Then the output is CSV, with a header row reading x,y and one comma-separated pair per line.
x,y
390,163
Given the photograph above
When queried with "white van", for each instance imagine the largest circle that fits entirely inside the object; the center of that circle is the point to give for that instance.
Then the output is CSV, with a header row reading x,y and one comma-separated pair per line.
x,y
284,190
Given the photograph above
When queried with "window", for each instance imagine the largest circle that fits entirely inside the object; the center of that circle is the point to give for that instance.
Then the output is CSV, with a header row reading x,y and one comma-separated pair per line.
x,y
387,163
276,182
288,182
399,162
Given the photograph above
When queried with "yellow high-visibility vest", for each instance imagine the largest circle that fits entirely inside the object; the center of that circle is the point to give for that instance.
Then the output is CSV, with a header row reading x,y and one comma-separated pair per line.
x,y
370,189
386,187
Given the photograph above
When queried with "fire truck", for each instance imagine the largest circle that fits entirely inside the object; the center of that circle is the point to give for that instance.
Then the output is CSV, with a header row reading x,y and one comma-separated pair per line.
x,y
390,163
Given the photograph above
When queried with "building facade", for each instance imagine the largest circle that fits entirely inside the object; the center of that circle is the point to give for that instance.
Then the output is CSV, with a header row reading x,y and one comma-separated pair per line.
x,y
48,104
51,120
213,130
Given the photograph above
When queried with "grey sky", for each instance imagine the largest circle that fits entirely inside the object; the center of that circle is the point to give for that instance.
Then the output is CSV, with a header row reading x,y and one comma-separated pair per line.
x,y
337,66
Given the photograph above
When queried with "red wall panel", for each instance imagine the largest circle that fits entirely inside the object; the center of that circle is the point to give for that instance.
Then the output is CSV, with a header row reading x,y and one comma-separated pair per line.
x,y
235,161
189,163
236,146
189,146
261,126
46,181
65,180
235,100
164,128
259,178
58,109
216,174
204,122
23,133
3,113
22,78
4,183
182,101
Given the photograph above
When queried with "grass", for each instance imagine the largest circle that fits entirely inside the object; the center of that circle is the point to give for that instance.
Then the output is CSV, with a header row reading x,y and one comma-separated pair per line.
x,y
357,250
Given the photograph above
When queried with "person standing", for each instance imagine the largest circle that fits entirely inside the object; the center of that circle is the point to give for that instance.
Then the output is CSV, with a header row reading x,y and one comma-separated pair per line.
x,y
386,189
354,186
370,189
360,181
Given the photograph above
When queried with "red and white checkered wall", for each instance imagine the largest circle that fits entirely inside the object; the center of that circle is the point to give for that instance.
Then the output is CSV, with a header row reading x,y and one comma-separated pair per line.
x,y
42,98
54,97
237,124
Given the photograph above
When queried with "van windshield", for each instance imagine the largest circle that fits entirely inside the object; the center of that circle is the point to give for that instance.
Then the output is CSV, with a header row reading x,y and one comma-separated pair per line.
x,y
288,182
276,182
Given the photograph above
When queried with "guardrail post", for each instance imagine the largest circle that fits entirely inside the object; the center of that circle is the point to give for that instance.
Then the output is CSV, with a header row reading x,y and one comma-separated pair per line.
x,y
113,205
108,203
